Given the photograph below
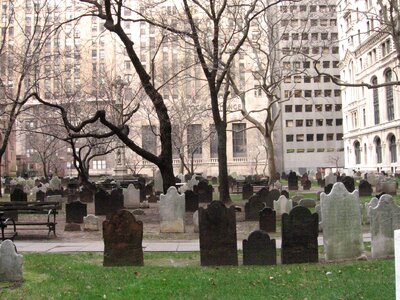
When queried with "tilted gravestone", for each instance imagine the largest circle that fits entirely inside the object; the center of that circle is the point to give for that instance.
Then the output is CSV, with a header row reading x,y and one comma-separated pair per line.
x,y
123,237
267,219
282,205
10,262
293,181
18,195
218,242
259,249
341,222
247,191
385,218
252,208
299,236
86,195
191,201
172,211
131,197
75,212
272,196
365,188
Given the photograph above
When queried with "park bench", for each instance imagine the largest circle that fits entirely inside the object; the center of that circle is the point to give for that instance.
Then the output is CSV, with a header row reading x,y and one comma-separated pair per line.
x,y
11,210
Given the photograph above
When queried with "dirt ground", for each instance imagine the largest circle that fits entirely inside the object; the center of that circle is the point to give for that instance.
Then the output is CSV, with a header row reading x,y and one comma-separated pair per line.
x,y
151,227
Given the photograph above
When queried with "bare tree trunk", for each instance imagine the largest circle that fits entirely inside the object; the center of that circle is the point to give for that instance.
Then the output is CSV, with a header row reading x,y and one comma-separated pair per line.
x,y
270,158
167,173
1,184
222,163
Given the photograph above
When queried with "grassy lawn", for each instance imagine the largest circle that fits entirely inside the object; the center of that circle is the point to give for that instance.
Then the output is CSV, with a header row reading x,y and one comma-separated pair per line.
x,y
179,276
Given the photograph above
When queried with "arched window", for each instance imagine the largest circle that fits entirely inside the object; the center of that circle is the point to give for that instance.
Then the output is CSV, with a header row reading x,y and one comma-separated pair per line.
x,y
357,152
389,96
393,149
378,147
374,81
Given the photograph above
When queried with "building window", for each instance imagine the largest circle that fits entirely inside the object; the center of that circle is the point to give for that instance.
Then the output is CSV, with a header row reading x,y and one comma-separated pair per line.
x,y
389,96
288,108
299,137
239,140
99,164
310,137
213,142
378,149
309,123
357,152
308,107
320,137
298,108
376,100
393,149
299,123
194,141
289,138
289,123
149,138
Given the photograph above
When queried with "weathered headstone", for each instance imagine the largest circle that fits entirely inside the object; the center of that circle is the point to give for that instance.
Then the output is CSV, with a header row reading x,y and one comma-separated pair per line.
x,y
263,194
259,249
123,237
75,212
349,183
103,203
397,261
191,201
267,219
86,195
117,199
307,185
272,196
365,188
385,218
282,205
172,211
158,182
299,236
91,223
18,195
10,262
55,183
371,178
196,221
247,191
192,182
131,197
341,219
328,188
204,190
374,202
293,181
40,196
330,179
252,208
218,242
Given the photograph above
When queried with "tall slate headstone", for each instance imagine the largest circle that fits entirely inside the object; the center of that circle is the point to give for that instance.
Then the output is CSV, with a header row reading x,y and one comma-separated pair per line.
x,y
247,191
349,183
102,204
204,190
299,236
191,201
123,237
18,195
252,208
365,188
293,181
86,195
40,196
117,199
267,219
75,212
218,242
385,219
259,249
172,211
341,222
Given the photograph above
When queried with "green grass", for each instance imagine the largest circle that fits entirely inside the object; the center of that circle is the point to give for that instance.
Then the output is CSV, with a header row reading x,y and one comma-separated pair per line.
x,y
178,276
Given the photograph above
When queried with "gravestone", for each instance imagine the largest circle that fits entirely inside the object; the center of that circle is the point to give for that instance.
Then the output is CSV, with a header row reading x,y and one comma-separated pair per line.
x,y
55,183
131,197
204,190
75,212
299,236
318,211
263,194
328,188
307,202
91,223
385,218
282,205
349,183
293,181
365,188
40,196
18,195
117,199
387,186
192,182
272,196
191,201
172,211
247,191
307,185
102,203
53,198
374,202
303,179
10,262
267,220
371,178
259,249
252,208
196,221
218,242
330,179
318,177
397,261
341,221
86,195
158,183
123,237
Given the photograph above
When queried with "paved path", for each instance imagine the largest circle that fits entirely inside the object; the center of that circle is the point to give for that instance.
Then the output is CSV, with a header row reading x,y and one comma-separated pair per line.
x,y
149,246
